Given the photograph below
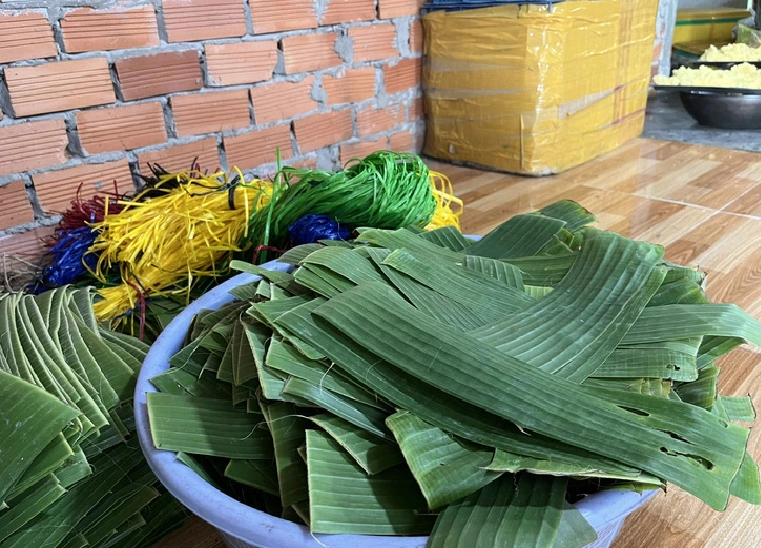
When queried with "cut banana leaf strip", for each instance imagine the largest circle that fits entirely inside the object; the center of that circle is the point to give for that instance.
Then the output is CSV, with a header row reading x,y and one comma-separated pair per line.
x,y
29,420
682,321
192,358
435,407
674,360
404,239
287,427
273,276
60,519
309,279
244,351
588,313
205,426
521,236
703,391
682,291
499,270
739,409
119,375
470,289
54,455
573,214
369,418
259,474
75,468
677,272
344,499
197,467
297,254
114,511
374,455
543,270
302,509
574,531
246,292
448,237
446,470
507,513
509,462
345,263
29,505
481,375
746,485
225,371
284,358
426,299
713,348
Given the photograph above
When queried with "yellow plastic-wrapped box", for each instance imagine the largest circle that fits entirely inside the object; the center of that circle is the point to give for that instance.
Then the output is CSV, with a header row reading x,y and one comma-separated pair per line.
x,y
519,89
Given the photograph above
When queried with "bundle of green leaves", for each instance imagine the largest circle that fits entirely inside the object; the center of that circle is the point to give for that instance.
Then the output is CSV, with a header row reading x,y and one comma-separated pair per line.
x,y
71,473
413,383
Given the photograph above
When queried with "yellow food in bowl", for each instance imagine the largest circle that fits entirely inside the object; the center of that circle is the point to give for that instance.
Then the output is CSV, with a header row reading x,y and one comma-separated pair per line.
x,y
740,76
732,52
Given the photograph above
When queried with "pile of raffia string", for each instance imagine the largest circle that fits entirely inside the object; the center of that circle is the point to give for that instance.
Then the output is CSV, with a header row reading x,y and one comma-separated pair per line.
x,y
185,227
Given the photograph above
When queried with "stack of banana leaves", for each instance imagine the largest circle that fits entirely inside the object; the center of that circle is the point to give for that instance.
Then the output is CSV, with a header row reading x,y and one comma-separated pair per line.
x,y
71,471
412,383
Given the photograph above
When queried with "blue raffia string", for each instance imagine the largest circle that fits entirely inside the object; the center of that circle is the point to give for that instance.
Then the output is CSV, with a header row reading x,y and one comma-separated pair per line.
x,y
67,257
313,228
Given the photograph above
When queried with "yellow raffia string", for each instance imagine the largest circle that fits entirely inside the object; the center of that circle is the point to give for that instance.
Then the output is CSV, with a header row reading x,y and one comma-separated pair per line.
x,y
165,244
444,195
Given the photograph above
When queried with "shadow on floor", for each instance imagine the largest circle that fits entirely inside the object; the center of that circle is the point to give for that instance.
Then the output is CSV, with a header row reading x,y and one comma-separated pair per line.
x,y
667,120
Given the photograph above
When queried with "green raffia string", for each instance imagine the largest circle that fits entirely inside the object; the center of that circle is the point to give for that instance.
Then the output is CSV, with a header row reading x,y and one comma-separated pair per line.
x,y
385,190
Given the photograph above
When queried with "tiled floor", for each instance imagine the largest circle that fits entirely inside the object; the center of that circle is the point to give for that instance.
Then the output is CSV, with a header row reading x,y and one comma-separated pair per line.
x,y
704,205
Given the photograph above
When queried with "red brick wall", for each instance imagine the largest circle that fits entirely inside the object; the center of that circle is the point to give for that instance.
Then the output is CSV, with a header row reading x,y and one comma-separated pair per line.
x,y
90,95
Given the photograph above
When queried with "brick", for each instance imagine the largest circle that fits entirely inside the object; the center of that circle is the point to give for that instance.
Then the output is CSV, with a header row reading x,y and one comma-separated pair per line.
x,y
159,74
416,36
63,85
321,130
29,245
282,100
189,20
198,113
403,76
32,145
180,157
346,11
16,207
122,128
389,9
249,150
269,16
374,43
350,86
404,141
372,121
241,62
56,189
362,149
26,35
87,29
310,52
415,111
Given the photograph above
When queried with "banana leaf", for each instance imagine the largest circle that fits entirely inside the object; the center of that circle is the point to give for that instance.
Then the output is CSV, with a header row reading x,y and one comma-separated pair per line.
x,y
507,513
344,499
373,454
375,315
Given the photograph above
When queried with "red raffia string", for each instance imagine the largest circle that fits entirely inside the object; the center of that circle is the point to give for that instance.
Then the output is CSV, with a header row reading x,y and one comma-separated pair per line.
x,y
142,306
266,248
93,210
